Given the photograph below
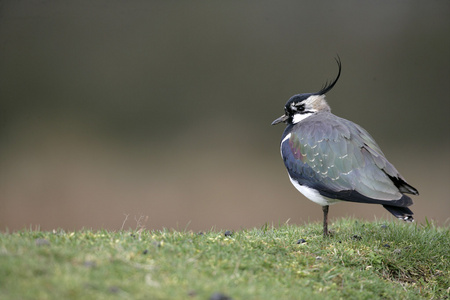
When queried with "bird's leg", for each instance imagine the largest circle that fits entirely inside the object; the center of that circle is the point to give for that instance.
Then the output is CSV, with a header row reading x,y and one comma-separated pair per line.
x,y
325,220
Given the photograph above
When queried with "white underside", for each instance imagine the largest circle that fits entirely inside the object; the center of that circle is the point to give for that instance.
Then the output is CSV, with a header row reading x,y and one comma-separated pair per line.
x,y
312,194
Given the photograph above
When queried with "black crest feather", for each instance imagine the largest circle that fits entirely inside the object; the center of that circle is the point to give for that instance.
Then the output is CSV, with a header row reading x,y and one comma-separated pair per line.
x,y
328,86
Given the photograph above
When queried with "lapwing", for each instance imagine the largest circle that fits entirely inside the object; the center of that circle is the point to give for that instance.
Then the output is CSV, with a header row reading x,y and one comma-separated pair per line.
x,y
330,159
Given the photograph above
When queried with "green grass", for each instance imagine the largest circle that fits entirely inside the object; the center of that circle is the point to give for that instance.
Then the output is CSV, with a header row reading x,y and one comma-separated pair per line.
x,y
361,260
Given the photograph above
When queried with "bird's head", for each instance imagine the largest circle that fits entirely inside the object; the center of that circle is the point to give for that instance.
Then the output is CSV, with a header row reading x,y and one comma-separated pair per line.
x,y
301,106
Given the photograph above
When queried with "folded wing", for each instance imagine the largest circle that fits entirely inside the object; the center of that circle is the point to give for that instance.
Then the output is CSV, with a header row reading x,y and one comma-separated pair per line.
x,y
342,161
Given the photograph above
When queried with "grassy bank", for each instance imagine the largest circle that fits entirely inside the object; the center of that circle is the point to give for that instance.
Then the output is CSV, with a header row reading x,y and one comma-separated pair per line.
x,y
361,260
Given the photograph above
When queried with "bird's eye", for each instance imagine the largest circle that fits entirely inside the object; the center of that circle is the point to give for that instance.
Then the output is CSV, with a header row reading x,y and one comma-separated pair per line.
x,y
300,107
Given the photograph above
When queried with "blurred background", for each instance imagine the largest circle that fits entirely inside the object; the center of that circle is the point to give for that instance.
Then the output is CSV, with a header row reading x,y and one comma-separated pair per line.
x,y
162,109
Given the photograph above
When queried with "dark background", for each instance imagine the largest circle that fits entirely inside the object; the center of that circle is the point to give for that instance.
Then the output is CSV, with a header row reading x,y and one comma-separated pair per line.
x,y
163,108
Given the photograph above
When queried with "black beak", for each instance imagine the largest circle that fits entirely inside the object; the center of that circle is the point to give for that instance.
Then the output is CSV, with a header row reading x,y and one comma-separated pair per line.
x,y
283,118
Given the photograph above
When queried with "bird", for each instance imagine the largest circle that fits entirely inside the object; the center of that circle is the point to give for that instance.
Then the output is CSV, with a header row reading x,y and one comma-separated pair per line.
x,y
330,159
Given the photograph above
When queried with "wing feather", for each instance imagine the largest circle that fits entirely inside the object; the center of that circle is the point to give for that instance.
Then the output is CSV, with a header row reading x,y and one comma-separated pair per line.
x,y
342,161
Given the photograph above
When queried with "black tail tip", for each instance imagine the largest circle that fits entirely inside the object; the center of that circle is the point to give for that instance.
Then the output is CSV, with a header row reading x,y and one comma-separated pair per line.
x,y
407,218
402,213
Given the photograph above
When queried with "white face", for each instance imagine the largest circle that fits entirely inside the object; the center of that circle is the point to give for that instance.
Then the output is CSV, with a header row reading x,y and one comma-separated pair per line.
x,y
300,117
308,107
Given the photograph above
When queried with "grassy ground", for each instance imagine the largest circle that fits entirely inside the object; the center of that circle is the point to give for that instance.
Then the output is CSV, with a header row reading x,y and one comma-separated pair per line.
x,y
361,260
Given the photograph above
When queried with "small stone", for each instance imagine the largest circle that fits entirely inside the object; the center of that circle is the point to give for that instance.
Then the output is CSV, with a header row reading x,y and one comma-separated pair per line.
x,y
318,258
228,233
397,251
301,241
89,264
219,296
42,242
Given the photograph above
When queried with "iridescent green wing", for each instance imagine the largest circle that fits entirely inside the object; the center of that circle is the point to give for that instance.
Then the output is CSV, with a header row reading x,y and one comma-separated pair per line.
x,y
337,158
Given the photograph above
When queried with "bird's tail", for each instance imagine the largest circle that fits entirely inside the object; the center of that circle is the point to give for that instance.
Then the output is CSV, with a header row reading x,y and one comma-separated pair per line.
x,y
402,213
